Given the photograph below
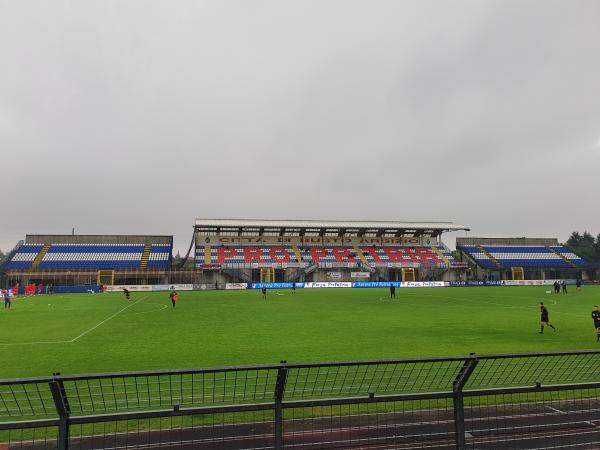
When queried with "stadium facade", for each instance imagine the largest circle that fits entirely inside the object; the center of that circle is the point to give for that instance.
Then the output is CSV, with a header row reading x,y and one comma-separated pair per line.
x,y
267,251
296,250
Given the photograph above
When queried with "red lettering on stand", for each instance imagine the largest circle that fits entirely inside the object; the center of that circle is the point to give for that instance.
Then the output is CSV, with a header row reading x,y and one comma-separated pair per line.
x,y
343,255
279,255
225,253
372,252
252,255
316,253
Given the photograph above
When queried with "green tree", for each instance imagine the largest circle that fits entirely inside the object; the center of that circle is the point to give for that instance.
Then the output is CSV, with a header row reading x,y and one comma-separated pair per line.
x,y
178,259
585,245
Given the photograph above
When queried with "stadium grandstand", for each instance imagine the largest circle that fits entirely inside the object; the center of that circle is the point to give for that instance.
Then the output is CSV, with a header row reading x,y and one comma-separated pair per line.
x,y
520,258
90,259
295,250
274,251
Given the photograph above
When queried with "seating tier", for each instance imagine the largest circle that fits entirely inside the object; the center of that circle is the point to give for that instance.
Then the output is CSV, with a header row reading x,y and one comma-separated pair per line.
x,y
24,257
533,256
91,256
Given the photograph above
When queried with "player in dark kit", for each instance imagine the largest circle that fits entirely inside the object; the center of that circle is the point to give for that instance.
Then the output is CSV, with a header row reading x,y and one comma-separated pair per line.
x,y
7,299
126,293
173,296
544,319
596,318
293,288
392,291
264,292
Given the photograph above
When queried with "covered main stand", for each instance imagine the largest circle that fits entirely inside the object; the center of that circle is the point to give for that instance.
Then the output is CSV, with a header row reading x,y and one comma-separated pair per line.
x,y
242,250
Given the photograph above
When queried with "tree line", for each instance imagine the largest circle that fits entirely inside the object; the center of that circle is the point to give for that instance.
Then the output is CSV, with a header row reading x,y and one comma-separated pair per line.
x,y
585,245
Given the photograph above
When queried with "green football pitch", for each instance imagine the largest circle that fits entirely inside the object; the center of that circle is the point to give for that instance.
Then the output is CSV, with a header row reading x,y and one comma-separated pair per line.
x,y
86,333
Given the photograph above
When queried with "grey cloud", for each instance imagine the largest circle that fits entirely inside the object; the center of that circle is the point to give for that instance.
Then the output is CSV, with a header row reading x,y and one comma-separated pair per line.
x,y
138,116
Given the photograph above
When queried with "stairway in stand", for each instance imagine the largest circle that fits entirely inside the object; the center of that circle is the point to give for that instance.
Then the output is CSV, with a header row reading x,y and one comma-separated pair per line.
x,y
440,255
489,255
145,256
570,263
38,258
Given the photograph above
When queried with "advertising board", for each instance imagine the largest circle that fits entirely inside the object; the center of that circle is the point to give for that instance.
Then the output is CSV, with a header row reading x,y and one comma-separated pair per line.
x,y
236,286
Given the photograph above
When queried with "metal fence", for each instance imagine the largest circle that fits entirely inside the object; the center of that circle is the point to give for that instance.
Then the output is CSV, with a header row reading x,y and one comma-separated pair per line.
x,y
549,400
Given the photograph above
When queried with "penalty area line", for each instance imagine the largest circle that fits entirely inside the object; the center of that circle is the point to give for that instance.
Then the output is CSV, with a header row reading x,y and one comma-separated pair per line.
x,y
106,320
11,344
33,343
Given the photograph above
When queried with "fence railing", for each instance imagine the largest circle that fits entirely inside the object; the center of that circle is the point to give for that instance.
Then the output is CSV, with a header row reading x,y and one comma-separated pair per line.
x,y
549,400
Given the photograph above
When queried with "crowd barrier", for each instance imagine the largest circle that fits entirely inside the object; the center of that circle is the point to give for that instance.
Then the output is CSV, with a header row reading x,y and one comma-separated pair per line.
x,y
509,401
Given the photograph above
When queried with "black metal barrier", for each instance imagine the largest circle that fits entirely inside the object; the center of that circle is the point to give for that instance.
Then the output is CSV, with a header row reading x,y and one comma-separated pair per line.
x,y
515,401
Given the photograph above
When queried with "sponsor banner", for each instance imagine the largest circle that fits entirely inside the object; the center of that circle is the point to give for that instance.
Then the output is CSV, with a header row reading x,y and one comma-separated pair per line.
x,y
75,289
360,274
471,283
275,285
328,284
334,275
160,287
148,287
524,282
420,284
376,284
567,281
205,287
129,287
536,282
398,284
493,283
236,286
172,287
181,287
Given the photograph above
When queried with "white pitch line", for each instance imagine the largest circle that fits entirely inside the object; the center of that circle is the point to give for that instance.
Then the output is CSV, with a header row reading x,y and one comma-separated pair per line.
x,y
75,338
106,320
33,343
555,410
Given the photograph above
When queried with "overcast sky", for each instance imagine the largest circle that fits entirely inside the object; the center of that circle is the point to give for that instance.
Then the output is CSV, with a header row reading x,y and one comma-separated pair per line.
x,y
136,117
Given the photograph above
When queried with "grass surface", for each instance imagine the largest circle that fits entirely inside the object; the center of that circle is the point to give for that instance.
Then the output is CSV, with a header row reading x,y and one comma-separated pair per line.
x,y
82,333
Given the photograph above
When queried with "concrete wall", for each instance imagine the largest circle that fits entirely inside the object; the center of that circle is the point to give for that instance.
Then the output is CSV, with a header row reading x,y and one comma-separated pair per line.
x,y
505,241
96,239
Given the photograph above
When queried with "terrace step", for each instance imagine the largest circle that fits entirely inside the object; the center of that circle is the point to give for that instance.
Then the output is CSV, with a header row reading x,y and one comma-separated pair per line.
x,y
561,256
145,256
38,258
435,248
489,255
